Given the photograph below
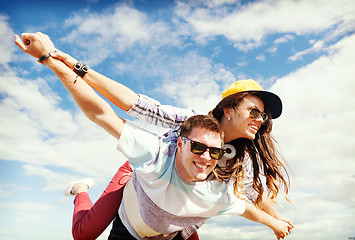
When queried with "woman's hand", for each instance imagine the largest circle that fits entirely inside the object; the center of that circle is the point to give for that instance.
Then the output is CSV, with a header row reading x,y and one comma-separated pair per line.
x,y
35,44
281,229
286,220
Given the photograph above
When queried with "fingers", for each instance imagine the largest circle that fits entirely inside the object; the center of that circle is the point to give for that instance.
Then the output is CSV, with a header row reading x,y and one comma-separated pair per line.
x,y
281,237
67,59
19,43
289,222
286,220
26,40
36,45
59,55
290,226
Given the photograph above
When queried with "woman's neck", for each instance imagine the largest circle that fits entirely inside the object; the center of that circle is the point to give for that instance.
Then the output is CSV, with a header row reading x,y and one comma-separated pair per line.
x,y
229,133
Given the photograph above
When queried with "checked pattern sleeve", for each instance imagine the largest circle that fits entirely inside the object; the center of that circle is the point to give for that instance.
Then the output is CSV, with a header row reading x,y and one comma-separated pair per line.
x,y
151,111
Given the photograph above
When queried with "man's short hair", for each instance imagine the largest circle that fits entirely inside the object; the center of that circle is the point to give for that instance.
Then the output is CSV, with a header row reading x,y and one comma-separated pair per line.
x,y
201,121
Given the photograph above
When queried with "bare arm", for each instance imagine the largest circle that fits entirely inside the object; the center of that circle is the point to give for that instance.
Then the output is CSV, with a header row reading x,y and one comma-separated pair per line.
x,y
143,108
268,206
94,107
118,94
280,228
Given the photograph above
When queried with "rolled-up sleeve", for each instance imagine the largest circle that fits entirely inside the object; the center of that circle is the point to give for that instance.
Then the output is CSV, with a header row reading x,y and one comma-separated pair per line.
x,y
151,111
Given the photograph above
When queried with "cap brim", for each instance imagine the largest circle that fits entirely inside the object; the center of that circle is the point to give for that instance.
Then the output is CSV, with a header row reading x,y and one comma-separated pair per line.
x,y
272,102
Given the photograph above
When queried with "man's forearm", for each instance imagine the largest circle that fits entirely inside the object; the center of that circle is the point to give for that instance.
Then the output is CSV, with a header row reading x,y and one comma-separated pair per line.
x,y
83,95
39,45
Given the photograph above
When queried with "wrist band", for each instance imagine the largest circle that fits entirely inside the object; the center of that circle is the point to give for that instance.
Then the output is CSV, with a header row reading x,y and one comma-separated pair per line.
x,y
81,69
44,57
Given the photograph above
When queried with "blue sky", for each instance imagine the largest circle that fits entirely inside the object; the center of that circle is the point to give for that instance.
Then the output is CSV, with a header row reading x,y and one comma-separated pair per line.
x,y
182,53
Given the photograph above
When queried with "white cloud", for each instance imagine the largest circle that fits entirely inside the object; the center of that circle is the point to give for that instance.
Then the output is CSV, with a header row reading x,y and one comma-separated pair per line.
x,y
242,63
272,49
30,215
261,57
223,229
284,39
49,140
316,137
7,47
248,25
35,129
317,47
115,31
216,3
194,82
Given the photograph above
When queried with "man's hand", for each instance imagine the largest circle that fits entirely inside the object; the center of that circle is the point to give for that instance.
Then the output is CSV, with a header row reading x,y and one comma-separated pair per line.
x,y
36,45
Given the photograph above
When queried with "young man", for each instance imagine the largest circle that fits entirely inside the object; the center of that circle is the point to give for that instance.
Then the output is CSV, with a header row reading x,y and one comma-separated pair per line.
x,y
171,177
170,189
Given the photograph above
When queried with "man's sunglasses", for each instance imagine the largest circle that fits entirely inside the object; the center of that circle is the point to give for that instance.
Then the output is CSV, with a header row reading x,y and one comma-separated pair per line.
x,y
256,113
199,148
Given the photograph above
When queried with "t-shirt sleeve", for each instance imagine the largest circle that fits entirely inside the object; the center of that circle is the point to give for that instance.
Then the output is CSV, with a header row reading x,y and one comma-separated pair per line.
x,y
237,205
138,145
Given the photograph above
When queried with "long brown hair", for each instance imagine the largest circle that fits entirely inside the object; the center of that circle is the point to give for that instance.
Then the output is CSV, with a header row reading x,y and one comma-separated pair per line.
x,y
265,157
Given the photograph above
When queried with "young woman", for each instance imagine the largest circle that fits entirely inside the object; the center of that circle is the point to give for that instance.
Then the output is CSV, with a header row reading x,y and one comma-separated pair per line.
x,y
245,113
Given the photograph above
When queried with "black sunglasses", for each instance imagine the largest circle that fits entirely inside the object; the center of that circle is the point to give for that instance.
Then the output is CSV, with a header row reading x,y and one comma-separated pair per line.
x,y
256,113
199,148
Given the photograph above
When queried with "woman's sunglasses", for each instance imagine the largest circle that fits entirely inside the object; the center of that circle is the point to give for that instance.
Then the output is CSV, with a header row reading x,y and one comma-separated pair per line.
x,y
199,148
256,113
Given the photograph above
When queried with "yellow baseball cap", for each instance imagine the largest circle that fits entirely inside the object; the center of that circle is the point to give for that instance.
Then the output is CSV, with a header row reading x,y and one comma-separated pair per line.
x,y
271,100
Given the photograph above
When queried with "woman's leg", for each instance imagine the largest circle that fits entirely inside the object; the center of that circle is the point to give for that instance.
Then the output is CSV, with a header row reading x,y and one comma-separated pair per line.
x,y
194,236
89,220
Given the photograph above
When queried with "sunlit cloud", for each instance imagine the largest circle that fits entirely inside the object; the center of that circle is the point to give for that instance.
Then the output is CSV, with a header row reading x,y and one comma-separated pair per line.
x,y
247,26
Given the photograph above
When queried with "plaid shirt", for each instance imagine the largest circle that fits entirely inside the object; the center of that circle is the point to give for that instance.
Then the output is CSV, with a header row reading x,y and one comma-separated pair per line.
x,y
151,111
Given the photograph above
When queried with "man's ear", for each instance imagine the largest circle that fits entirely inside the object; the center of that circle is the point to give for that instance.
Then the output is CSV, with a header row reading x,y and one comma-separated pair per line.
x,y
179,143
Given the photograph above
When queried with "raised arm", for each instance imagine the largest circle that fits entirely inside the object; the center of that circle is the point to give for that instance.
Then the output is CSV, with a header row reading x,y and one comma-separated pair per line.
x,y
120,95
139,106
94,107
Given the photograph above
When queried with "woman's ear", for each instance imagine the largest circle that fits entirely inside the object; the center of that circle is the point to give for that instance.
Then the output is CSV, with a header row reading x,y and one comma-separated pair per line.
x,y
227,112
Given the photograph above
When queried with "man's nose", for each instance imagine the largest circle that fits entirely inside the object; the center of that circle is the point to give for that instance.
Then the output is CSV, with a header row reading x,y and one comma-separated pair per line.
x,y
206,155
